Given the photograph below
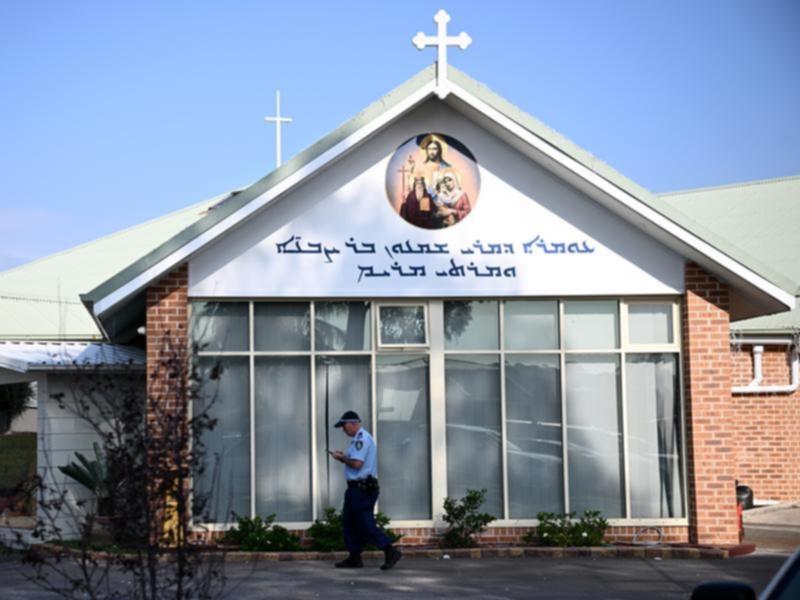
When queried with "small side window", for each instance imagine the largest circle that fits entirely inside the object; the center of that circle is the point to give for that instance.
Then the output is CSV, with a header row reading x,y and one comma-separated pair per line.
x,y
650,323
402,325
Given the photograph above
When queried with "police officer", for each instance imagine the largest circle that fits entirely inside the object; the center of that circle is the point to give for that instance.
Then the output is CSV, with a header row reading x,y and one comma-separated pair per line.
x,y
358,519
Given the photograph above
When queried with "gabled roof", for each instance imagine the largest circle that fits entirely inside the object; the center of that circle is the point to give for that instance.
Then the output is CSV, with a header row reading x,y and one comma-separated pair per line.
x,y
760,217
765,289
41,299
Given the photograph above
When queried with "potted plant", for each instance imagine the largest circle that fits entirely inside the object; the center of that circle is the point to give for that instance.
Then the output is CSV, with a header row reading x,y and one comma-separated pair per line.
x,y
94,476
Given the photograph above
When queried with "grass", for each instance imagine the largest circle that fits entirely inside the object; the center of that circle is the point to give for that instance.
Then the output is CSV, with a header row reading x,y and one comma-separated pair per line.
x,y
17,459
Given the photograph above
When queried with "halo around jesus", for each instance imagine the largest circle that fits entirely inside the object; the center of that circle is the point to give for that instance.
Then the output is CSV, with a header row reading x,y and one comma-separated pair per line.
x,y
432,181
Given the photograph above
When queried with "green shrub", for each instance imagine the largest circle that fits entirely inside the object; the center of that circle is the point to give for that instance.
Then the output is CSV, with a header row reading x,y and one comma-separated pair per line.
x,y
464,521
328,535
93,475
17,460
589,529
564,531
261,535
14,399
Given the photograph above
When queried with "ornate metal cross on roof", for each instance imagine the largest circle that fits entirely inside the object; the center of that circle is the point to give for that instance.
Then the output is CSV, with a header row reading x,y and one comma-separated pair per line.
x,y
278,119
441,40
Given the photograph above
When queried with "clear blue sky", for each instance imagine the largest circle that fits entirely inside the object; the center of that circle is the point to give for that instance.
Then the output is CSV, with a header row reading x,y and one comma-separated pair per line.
x,y
112,113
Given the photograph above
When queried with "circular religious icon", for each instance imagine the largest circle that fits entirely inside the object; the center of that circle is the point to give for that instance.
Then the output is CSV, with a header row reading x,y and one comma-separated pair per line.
x,y
432,181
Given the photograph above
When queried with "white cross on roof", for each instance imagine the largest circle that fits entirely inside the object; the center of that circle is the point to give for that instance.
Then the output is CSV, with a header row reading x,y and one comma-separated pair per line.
x,y
441,40
278,119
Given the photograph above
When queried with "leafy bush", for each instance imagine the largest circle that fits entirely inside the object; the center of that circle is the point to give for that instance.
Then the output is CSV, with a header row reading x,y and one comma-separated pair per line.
x,y
328,535
17,461
590,529
94,476
464,521
563,530
261,535
14,399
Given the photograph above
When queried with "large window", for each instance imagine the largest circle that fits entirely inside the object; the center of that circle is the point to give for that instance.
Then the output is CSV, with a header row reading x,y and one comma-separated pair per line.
x,y
565,405
547,404
289,371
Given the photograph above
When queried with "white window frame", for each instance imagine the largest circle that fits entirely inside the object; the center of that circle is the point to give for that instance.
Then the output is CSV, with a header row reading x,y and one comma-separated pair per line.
x,y
436,353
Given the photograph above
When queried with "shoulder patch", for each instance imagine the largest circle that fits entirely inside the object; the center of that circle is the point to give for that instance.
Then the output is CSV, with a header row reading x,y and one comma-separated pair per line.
x,y
359,445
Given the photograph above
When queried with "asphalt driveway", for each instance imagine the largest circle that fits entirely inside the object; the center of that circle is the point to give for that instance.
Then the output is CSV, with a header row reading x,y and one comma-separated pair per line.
x,y
491,578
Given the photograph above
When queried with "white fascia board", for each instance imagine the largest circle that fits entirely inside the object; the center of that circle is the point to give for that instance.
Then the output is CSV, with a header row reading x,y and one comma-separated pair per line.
x,y
624,198
18,366
183,253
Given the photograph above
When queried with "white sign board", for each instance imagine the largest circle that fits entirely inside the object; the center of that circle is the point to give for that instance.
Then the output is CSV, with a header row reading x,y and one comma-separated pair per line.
x,y
382,222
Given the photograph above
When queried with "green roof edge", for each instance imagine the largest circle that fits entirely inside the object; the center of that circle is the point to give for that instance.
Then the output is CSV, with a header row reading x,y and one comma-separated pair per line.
x,y
245,196
729,186
644,195
239,199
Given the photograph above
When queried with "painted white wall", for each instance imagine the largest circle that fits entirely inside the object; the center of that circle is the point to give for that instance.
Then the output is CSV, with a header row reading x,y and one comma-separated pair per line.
x,y
518,200
61,435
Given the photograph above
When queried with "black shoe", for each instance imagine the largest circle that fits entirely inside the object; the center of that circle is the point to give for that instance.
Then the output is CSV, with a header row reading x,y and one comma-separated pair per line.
x,y
393,555
351,562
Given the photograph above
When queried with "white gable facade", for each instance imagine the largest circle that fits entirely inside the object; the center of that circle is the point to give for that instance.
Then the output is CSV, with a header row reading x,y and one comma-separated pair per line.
x,y
531,349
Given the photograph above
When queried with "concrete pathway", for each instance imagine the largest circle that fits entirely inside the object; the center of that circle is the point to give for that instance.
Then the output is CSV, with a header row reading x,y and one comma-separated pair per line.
x,y
773,528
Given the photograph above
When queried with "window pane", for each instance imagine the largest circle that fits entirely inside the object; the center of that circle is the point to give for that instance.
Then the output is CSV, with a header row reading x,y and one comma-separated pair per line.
x,y
533,429
650,323
474,442
282,326
283,437
471,325
591,324
343,383
594,442
220,326
342,326
227,475
531,325
404,455
654,435
402,325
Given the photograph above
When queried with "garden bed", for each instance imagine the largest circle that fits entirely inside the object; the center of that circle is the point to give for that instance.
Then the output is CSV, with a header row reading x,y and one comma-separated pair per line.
x,y
677,551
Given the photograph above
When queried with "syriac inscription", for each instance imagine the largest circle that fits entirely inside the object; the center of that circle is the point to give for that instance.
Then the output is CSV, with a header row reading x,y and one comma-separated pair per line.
x,y
411,259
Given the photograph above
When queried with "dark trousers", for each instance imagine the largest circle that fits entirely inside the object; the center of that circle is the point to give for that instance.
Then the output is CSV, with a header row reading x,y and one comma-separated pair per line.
x,y
358,521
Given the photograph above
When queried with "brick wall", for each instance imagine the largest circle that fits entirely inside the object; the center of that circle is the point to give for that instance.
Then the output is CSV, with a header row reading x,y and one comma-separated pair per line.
x,y
167,350
709,410
167,317
766,427
430,536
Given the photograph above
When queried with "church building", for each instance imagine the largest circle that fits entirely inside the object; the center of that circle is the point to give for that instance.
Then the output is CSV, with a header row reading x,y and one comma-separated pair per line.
x,y
503,310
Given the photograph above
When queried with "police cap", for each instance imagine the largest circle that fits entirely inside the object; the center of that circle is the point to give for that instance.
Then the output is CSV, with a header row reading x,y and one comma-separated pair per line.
x,y
349,416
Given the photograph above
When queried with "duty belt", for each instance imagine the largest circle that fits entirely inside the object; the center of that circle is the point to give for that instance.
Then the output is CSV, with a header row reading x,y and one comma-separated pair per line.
x,y
368,485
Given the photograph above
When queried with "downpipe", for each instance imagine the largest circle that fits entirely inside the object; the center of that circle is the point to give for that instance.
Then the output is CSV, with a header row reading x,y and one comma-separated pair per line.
x,y
755,387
